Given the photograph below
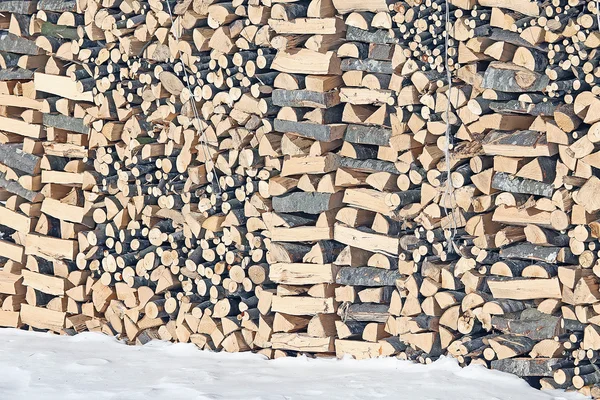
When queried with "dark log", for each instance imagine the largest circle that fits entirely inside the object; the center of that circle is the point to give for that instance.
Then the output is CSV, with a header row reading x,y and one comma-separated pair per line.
x,y
539,329
18,6
368,165
323,133
365,312
307,202
367,65
367,276
526,366
363,134
19,45
509,183
67,123
508,77
305,98
57,5
13,156
527,251
379,36
16,188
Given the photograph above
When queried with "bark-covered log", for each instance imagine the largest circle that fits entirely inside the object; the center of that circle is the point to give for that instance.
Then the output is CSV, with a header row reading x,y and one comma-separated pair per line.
x,y
18,6
16,188
305,98
19,45
323,133
307,202
365,312
526,366
363,134
14,157
67,123
379,36
368,165
513,184
526,251
508,77
367,65
367,276
57,5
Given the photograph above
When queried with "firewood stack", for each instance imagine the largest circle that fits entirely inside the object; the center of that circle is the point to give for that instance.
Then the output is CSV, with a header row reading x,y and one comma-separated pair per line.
x,y
273,177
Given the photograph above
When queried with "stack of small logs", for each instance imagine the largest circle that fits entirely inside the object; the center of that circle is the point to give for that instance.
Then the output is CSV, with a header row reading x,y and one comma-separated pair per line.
x,y
370,178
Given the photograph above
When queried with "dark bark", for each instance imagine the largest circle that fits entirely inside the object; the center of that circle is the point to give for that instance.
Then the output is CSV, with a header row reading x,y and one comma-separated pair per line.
x,y
363,134
15,188
508,77
367,65
368,165
538,329
306,202
305,98
527,251
57,5
19,45
378,36
67,123
18,6
365,312
526,366
323,133
367,276
13,156
509,183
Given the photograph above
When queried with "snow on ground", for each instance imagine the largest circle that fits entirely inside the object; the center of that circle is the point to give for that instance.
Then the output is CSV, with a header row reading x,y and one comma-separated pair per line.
x,y
95,367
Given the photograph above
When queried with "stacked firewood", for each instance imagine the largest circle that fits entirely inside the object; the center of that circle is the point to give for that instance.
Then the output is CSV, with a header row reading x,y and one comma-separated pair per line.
x,y
374,177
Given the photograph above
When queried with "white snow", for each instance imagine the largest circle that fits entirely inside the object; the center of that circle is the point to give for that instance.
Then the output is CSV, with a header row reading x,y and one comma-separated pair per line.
x,y
95,367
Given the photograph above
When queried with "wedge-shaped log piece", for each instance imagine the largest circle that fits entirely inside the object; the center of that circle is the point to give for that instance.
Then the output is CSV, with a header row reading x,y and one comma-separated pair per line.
x,y
304,61
366,240
42,318
12,251
304,26
307,202
48,284
518,144
527,7
51,248
22,128
302,274
62,86
524,288
302,305
302,342
322,133
509,346
16,221
310,165
365,350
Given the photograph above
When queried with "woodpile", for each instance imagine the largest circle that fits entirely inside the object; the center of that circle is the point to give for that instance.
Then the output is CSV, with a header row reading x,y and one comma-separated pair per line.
x,y
370,178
